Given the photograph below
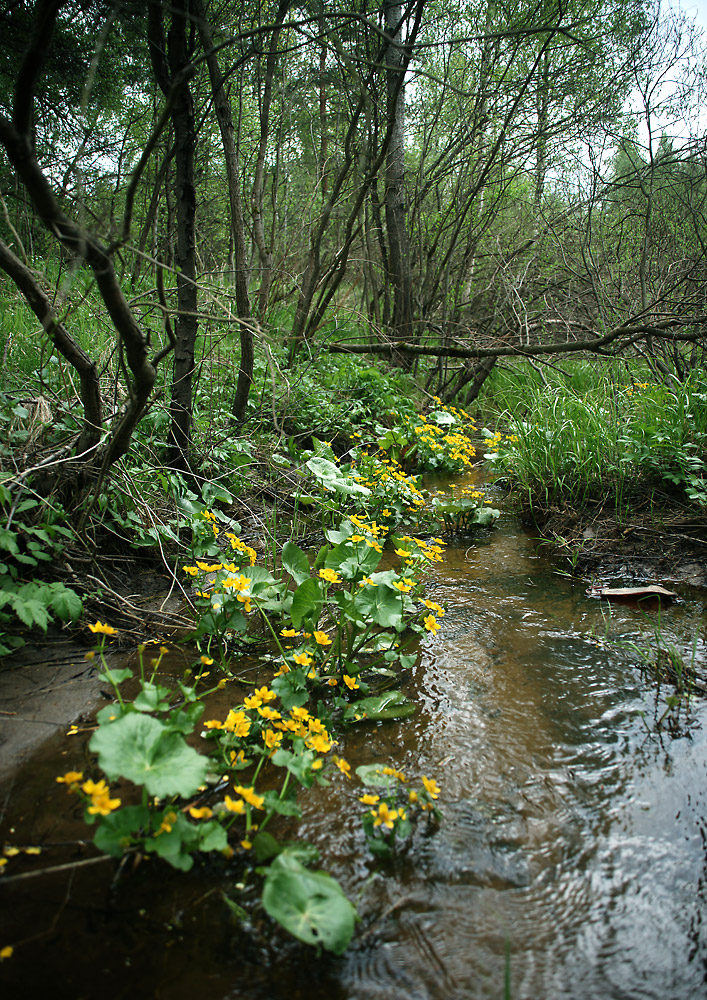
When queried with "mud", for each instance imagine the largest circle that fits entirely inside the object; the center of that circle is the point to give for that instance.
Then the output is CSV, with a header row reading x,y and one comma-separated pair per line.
x,y
653,547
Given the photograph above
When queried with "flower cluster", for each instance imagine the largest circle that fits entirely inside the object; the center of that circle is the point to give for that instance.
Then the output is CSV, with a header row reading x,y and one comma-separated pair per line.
x,y
392,810
96,794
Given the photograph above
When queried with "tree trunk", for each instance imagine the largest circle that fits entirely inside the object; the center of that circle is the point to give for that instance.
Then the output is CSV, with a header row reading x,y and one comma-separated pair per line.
x,y
258,194
224,117
185,329
395,206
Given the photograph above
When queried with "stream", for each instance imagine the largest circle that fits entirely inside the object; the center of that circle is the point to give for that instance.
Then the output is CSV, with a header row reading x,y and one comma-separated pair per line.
x,y
570,858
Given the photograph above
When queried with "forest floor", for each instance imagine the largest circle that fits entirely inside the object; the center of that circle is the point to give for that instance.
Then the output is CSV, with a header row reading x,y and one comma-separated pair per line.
x,y
662,546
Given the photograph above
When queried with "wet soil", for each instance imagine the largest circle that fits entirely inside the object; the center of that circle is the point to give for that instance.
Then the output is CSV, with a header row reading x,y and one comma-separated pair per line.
x,y
651,546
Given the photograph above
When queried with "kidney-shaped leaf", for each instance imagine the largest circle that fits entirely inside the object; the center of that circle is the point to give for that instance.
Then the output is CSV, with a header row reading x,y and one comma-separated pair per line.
x,y
145,751
310,905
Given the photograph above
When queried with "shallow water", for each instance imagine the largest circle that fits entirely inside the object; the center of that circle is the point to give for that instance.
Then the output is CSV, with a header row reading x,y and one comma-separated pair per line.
x,y
571,854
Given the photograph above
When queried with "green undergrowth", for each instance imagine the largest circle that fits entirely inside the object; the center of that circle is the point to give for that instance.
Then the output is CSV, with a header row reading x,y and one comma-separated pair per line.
x,y
615,443
337,631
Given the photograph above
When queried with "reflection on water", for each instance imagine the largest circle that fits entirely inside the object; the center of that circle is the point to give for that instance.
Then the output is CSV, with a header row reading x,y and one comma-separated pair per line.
x,y
572,831
572,844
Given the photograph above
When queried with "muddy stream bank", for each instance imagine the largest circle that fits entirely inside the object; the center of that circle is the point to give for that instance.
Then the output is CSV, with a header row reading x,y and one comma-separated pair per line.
x,y
571,853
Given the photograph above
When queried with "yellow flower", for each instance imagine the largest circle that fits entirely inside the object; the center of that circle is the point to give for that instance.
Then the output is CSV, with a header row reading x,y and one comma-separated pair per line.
x,y
303,659
368,799
250,797
431,787
329,575
413,797
431,624
253,700
318,742
6,952
288,633
103,629
343,766
203,813
392,773
265,694
403,553
206,661
167,823
269,713
351,682
191,570
385,816
70,778
367,581
300,713
237,722
272,739
357,538
403,587
234,805
322,638
101,803
213,724
332,682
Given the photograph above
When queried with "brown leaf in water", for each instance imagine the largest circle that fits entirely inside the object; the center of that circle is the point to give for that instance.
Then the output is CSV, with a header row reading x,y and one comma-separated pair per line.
x,y
631,593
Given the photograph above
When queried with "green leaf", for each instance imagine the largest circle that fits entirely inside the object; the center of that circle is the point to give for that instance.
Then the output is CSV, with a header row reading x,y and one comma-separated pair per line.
x,y
265,846
353,562
119,829
380,605
283,807
307,603
31,612
310,905
291,689
143,750
117,676
67,604
212,836
330,476
152,698
8,541
391,705
298,764
295,562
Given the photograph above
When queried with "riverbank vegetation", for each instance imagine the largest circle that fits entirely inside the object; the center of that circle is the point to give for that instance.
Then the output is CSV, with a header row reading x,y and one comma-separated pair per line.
x,y
261,270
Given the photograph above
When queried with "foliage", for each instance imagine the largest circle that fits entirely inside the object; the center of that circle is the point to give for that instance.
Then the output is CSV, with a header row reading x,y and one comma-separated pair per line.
x,y
31,538
339,628
610,442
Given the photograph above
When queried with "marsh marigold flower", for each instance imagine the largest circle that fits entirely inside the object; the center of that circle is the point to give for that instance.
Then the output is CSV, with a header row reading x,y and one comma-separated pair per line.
x,y
431,624
248,794
99,627
431,787
70,778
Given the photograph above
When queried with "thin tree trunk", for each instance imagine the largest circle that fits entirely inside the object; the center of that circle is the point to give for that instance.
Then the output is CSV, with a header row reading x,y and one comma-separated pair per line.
x,y
224,117
258,193
185,328
395,204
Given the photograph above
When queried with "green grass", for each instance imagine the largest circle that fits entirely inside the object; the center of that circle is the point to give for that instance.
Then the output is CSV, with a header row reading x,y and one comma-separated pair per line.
x,y
612,440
